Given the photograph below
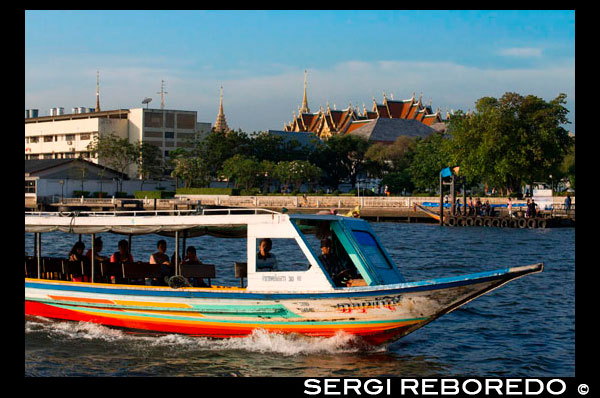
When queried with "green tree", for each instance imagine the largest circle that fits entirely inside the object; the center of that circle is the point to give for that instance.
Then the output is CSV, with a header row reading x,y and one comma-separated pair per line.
x,y
511,140
244,171
150,162
192,170
115,152
428,160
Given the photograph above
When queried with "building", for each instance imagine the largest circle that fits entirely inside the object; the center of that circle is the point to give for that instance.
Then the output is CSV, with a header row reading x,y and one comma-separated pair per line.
x,y
328,122
67,136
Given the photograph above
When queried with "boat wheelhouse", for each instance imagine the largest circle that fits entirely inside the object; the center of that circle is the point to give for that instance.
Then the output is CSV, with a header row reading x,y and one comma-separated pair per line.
x,y
375,302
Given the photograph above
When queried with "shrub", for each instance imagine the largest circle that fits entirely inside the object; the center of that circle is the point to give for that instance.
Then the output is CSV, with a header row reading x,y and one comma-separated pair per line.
x,y
153,194
208,191
99,194
78,194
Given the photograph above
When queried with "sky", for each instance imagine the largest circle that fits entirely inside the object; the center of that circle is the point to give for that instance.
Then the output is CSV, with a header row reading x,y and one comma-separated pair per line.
x,y
451,58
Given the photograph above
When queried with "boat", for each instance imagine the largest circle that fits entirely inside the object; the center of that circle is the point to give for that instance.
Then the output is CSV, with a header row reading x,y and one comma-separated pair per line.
x,y
375,303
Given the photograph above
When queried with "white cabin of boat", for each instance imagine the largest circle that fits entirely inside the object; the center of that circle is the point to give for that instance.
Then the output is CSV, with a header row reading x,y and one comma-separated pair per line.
x,y
354,240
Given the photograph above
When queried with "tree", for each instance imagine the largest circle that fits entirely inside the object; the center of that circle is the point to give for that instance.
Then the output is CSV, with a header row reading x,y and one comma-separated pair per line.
x,y
242,170
115,152
192,170
511,140
296,173
428,160
342,157
150,162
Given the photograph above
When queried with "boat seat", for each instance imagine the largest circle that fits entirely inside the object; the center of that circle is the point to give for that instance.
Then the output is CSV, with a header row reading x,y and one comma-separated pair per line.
x,y
52,267
241,271
73,268
199,271
141,270
109,270
31,270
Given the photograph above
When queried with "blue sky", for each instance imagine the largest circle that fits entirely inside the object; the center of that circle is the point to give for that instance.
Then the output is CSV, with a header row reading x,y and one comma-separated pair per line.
x,y
452,57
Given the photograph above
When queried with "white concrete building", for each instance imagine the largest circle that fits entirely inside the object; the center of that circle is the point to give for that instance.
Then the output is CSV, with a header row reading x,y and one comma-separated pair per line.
x,y
63,136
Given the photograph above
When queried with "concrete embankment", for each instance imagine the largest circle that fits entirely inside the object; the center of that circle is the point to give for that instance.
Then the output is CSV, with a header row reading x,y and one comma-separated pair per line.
x,y
393,208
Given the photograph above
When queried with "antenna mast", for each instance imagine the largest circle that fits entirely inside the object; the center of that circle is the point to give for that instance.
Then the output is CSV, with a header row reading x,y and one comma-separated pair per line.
x,y
162,94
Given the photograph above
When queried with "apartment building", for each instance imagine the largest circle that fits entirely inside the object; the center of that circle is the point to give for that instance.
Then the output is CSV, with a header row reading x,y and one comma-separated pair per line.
x,y
66,136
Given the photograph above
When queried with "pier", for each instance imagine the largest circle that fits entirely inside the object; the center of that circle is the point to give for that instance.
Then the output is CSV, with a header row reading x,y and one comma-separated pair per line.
x,y
396,209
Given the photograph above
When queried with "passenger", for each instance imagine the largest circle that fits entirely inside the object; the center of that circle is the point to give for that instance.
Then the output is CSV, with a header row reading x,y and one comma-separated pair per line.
x,y
458,206
478,207
332,264
76,253
509,205
123,255
192,258
265,260
160,257
528,211
97,250
471,209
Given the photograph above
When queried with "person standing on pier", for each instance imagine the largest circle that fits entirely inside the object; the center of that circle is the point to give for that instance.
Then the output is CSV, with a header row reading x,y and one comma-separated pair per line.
x,y
509,205
567,204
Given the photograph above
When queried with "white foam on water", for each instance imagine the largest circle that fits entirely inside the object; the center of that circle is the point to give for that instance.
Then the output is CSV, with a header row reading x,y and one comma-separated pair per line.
x,y
260,341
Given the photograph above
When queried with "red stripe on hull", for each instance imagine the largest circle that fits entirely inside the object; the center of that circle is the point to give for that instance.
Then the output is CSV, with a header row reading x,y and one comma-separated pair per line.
x,y
374,337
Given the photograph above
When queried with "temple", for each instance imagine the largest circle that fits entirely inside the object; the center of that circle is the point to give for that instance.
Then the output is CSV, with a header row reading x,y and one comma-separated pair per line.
x,y
221,122
329,122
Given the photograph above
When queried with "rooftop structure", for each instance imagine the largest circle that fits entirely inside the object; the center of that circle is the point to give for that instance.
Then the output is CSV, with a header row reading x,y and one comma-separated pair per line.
x,y
328,122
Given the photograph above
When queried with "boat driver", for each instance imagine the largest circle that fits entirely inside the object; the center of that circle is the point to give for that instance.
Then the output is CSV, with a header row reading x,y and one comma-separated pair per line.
x,y
333,265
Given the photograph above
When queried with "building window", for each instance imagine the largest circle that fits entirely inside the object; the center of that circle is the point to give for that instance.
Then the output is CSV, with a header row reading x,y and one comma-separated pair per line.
x,y
33,140
48,156
153,119
186,121
166,154
169,134
29,186
70,137
48,138
84,137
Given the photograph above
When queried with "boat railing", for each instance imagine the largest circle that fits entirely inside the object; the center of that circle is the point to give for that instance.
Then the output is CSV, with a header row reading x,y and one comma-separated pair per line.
x,y
140,213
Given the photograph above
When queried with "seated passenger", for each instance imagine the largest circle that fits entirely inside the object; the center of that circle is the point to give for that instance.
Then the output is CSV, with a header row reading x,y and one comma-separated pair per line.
x,y
123,255
97,250
76,253
264,259
160,257
334,267
192,258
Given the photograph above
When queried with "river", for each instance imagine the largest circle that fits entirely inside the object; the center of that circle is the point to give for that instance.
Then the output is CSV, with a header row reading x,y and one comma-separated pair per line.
x,y
524,329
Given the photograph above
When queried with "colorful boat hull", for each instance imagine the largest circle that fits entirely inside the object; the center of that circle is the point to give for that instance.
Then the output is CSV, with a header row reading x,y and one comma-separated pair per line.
x,y
376,314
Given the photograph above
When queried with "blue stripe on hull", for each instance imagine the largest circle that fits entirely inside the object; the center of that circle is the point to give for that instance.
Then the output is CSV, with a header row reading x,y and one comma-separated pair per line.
x,y
432,284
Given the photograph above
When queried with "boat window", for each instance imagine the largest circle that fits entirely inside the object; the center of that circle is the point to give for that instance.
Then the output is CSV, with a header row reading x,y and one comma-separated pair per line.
x,y
285,255
371,249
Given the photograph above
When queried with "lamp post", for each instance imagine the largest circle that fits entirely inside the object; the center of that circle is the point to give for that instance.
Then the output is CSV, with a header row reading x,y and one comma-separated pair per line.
x,y
61,182
551,185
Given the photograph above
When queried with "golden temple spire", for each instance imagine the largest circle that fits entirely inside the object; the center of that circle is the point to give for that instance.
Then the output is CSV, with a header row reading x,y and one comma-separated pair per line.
x,y
97,91
221,122
305,108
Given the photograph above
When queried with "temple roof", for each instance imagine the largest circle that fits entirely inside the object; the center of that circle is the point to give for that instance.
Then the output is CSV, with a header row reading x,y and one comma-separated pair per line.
x,y
388,130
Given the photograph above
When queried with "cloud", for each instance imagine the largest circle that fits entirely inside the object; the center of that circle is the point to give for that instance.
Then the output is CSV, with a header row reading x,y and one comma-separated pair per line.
x,y
255,103
521,52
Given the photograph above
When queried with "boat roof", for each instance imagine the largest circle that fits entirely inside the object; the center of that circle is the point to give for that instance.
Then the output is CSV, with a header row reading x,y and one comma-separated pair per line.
x,y
169,221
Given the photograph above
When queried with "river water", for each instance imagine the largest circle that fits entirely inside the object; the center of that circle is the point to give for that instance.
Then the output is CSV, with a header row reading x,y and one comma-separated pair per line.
x,y
524,329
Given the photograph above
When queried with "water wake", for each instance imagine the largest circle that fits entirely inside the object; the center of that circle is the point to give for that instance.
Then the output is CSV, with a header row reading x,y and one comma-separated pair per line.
x,y
260,341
